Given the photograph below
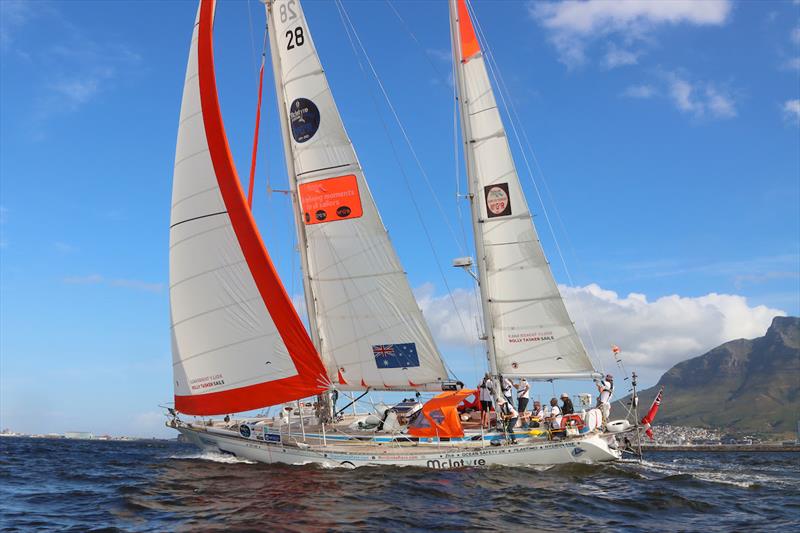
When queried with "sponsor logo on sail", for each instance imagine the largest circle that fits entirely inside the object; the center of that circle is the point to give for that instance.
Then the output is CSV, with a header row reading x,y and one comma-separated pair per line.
x,y
331,199
304,118
498,201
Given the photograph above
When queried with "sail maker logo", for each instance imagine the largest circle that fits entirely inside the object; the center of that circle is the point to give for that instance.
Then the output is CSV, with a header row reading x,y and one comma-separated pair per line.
x,y
539,336
498,201
207,382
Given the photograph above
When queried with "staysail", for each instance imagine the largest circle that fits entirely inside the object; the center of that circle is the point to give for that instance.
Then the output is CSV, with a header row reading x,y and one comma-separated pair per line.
x,y
527,323
237,341
371,330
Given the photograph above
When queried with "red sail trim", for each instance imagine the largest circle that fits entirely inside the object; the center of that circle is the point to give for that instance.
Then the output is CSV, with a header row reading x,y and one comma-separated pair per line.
x,y
341,378
311,377
469,42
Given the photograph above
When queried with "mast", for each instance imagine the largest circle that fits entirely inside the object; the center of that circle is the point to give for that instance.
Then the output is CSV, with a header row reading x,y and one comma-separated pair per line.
x,y
302,243
472,189
324,409
371,330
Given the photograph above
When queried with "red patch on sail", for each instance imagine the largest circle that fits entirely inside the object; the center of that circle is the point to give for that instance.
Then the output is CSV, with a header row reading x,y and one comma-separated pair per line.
x,y
469,42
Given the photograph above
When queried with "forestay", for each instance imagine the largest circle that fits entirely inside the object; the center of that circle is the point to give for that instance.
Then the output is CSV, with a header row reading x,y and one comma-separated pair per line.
x,y
372,333
532,332
237,342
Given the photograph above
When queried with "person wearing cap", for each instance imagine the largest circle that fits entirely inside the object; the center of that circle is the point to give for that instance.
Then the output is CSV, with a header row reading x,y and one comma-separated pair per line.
x,y
606,389
566,407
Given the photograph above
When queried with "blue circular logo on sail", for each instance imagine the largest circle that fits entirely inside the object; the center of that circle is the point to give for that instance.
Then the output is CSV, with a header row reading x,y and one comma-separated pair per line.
x,y
304,118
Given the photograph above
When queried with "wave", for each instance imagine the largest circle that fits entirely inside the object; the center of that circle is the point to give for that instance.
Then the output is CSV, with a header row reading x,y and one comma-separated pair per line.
x,y
215,457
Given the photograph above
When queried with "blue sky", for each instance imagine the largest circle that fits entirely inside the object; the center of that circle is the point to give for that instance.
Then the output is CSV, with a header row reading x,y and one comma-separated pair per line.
x,y
667,137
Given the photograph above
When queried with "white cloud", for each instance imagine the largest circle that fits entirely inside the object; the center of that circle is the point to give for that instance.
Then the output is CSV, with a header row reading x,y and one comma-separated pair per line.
x,y
793,63
91,279
619,57
574,24
448,326
640,91
791,111
64,247
654,335
97,279
719,105
701,99
14,14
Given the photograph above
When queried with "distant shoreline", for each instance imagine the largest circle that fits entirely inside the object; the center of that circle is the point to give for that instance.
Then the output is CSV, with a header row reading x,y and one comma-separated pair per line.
x,y
724,448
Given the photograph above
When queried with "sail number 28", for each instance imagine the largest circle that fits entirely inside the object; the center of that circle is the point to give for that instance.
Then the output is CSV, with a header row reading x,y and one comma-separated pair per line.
x,y
296,38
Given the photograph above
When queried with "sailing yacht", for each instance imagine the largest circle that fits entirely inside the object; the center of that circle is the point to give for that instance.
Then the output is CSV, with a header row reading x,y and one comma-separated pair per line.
x,y
238,343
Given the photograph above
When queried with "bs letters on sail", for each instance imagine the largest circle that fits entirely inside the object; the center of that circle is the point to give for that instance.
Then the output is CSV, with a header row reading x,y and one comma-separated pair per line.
x,y
330,199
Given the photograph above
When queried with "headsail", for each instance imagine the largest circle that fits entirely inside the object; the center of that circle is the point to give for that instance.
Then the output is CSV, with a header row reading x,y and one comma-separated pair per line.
x,y
531,332
237,342
372,332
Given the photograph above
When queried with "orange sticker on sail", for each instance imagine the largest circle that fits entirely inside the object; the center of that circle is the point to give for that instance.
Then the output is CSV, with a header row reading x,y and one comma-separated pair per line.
x,y
330,199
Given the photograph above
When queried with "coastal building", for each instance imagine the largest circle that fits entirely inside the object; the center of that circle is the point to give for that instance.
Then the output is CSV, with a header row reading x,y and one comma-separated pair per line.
x,y
80,435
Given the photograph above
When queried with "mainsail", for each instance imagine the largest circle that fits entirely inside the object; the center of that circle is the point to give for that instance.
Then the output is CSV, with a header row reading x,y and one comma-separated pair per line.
x,y
529,330
371,330
237,341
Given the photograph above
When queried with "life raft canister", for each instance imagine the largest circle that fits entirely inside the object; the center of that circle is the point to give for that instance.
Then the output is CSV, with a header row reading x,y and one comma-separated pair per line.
x,y
618,426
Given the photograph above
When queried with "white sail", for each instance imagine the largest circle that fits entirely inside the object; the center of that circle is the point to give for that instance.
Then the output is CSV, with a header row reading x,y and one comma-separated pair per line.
x,y
237,343
531,332
372,332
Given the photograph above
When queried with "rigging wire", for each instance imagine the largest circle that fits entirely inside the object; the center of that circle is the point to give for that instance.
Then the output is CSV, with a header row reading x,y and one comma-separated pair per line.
x,y
348,26
456,159
494,71
252,38
400,125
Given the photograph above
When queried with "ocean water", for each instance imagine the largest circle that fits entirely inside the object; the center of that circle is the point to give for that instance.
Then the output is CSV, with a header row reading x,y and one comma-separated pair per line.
x,y
166,486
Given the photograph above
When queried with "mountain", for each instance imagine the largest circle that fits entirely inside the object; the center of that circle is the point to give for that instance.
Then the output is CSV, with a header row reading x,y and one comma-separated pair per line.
x,y
745,385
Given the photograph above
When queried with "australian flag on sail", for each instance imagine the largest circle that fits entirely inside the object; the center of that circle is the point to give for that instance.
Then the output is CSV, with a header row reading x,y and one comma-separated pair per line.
x,y
396,355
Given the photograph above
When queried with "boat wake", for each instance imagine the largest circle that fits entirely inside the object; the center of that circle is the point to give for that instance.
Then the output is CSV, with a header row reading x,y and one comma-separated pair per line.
x,y
213,457
692,470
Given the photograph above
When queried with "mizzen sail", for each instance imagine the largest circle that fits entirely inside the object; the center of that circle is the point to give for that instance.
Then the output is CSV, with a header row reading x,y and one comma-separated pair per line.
x,y
530,330
237,341
371,330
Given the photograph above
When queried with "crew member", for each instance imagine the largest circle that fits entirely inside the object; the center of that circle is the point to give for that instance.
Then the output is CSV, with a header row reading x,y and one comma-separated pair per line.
x,y
555,414
507,386
566,406
537,415
485,389
606,389
523,393
510,416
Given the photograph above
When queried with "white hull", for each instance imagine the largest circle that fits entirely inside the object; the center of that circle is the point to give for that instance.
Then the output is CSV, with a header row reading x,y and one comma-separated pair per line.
x,y
590,449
